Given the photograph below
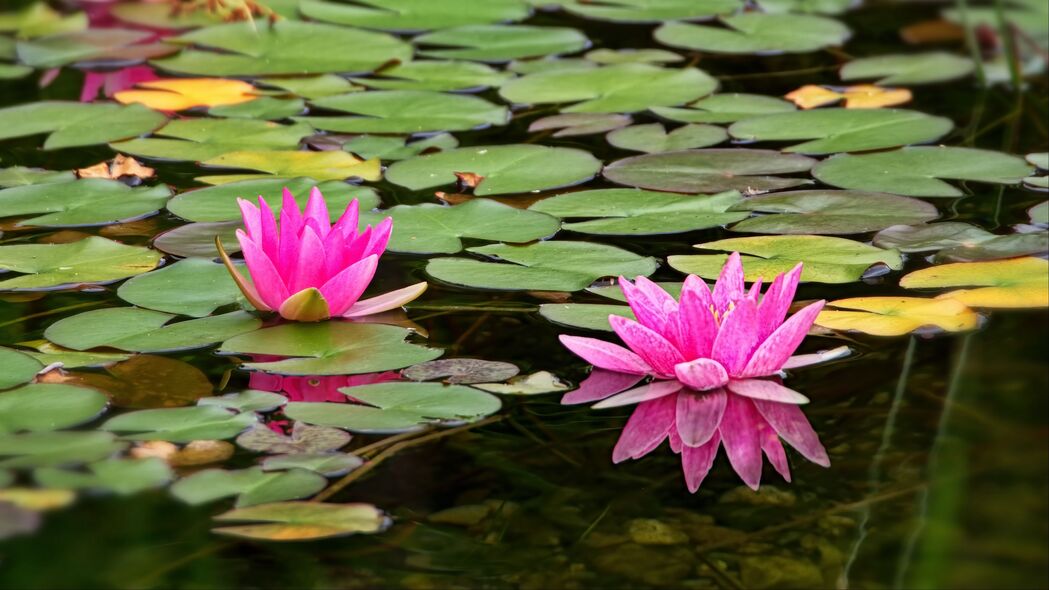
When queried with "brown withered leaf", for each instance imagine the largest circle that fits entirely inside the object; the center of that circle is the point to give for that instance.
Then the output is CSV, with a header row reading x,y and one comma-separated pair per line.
x,y
198,452
469,179
142,227
932,31
145,381
120,167
863,96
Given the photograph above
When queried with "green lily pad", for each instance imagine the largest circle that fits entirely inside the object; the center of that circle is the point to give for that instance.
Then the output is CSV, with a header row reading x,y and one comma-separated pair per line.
x,y
202,139
287,163
429,228
406,111
387,147
415,15
301,521
23,176
120,476
549,64
615,293
908,69
608,56
756,32
259,48
38,18
123,46
91,201
330,348
42,407
159,16
916,171
398,407
1039,213
249,400
499,43
831,212
180,424
626,211
48,353
621,88
725,108
313,86
827,259
653,138
326,464
461,371
252,486
304,438
650,11
74,124
198,239
143,330
543,266
48,449
435,76
843,130
806,6
710,171
960,242
219,203
573,124
504,168
998,247
193,286
1013,283
17,368
1039,160
534,384
588,316
86,261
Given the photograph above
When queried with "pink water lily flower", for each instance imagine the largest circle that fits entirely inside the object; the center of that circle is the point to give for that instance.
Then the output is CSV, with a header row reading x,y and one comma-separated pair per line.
x,y
714,360
307,269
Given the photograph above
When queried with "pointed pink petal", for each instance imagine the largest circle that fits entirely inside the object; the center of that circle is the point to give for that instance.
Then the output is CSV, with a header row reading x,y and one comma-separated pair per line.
x,y
252,220
675,441
698,415
316,215
346,226
791,424
737,337
290,225
740,433
92,84
774,451
268,283
345,288
776,302
379,238
697,461
755,290
697,327
657,351
647,392
599,385
309,268
766,389
649,313
386,301
646,429
270,241
701,375
729,287
606,355
770,356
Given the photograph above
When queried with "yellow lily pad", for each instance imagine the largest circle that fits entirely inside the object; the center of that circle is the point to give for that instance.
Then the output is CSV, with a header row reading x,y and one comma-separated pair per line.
x,y
896,316
177,94
320,166
1012,283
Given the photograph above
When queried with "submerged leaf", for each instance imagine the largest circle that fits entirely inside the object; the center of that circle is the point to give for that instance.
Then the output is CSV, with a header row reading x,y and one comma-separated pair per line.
x,y
300,521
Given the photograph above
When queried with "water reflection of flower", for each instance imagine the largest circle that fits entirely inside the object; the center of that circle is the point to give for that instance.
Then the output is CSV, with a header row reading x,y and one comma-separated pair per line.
x,y
714,359
317,388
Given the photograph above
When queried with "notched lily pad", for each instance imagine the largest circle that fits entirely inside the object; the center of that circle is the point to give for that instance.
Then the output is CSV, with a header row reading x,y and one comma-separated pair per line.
x,y
180,424
905,70
1013,283
725,108
90,260
142,330
831,212
75,124
52,449
756,32
896,316
41,407
574,124
249,400
252,486
710,171
304,438
534,384
200,138
326,464
500,43
119,476
653,138
92,201
406,111
219,203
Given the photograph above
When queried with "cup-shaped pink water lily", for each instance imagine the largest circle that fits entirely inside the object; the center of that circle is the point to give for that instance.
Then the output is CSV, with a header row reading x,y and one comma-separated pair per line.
x,y
713,358
306,268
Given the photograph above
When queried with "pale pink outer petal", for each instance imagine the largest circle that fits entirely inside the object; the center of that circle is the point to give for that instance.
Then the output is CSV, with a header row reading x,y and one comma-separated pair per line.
x,y
646,429
309,268
675,441
770,356
737,337
729,286
766,389
252,220
657,351
644,393
600,384
606,355
804,360
268,283
316,215
740,433
774,451
697,461
698,415
386,301
701,375
791,424
774,304
697,327
345,288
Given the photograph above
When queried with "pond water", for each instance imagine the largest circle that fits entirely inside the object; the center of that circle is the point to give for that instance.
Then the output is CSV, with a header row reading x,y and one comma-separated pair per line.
x,y
939,450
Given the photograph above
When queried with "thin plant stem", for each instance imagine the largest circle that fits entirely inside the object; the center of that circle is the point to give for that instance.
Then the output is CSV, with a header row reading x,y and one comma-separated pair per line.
x,y
1011,57
390,440
971,42
50,312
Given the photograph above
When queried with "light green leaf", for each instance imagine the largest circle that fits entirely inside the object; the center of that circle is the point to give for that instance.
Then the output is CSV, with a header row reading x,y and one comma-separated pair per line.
x,y
906,70
16,368
710,171
180,424
193,286
499,43
387,147
48,449
725,108
91,201
143,330
219,203
756,32
415,15
48,406
318,165
588,316
435,75
650,11
300,521
86,261
406,111
252,486
201,139
74,124
120,476
123,46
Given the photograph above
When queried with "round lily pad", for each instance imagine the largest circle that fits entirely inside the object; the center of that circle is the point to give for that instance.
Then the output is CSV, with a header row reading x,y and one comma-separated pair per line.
x,y
391,147
48,406
415,15
219,203
198,239
119,476
193,286
650,11
499,43
16,368
304,438
143,330
46,449
831,212
251,486
332,165
74,124
1013,283
958,242
91,201
756,32
90,260
406,111
180,424
326,464
461,371
573,124
710,171
201,139
249,400
908,69
23,176
653,137
439,75
896,316
725,108
301,521
588,316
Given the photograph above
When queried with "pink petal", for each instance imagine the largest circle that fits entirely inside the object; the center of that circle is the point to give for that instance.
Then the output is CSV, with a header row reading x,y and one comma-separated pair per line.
x,y
657,351
647,312
646,429
697,461
346,226
317,213
729,287
755,290
379,238
252,220
290,225
599,385
774,451
698,415
92,84
606,355
675,441
309,268
647,392
701,375
740,433
791,424
697,327
803,360
270,241
386,301
766,389
268,283
772,354
345,288
737,337
777,300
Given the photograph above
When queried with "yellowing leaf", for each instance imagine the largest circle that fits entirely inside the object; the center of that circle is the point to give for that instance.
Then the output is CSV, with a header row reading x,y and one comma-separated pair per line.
x,y
320,166
119,167
38,500
177,94
864,96
895,316
1012,283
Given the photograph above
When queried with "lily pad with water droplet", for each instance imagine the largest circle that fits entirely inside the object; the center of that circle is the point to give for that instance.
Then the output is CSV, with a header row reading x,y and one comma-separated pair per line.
x,y
41,407
75,124
756,32
48,449
1013,283
91,201
219,203
710,171
725,108
119,476
896,316
650,11
142,330
500,43
406,111
908,69
201,139
86,261
17,368
318,165
653,138
301,521
252,486
193,286
831,212
180,424
543,266
415,15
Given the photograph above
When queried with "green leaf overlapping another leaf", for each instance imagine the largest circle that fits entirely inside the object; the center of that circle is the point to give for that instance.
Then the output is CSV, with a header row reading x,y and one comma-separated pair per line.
x,y
74,124
91,201
626,211
143,330
251,486
831,212
415,15
406,111
756,32
90,260
499,43
219,203
710,171
180,424
201,139
650,11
